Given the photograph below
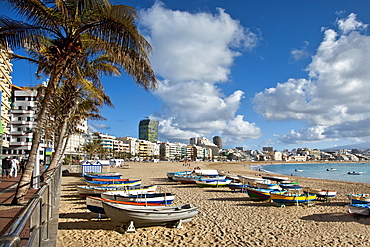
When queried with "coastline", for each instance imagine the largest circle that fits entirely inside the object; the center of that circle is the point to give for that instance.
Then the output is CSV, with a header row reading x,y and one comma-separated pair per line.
x,y
224,218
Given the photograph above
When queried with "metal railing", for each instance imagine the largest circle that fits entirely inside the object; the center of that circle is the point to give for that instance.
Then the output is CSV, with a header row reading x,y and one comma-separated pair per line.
x,y
39,215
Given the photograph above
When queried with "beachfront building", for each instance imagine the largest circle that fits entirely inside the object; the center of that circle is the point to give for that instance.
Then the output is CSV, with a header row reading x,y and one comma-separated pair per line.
x,y
76,141
23,116
148,150
148,130
133,145
5,89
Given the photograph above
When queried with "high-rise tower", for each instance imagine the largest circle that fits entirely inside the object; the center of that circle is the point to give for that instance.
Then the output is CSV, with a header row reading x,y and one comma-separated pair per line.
x,y
218,141
148,130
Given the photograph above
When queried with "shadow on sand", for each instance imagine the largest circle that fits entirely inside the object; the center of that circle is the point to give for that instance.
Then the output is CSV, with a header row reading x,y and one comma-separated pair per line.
x,y
338,217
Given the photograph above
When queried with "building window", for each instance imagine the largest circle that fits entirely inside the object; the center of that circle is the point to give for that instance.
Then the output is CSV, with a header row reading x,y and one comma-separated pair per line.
x,y
18,139
29,119
28,139
19,107
19,129
20,98
19,118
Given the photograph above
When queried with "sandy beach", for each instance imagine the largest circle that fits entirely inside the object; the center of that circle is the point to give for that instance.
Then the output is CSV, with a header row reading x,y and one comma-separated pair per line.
x,y
224,218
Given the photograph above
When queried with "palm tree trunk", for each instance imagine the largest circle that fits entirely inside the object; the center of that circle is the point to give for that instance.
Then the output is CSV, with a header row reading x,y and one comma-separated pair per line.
x,y
59,148
26,177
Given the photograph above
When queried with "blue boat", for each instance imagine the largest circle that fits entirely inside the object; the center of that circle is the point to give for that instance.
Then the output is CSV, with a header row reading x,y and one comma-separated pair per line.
x,y
359,198
89,177
114,183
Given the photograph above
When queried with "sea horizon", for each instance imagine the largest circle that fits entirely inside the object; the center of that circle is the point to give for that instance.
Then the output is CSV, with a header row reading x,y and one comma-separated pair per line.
x,y
319,170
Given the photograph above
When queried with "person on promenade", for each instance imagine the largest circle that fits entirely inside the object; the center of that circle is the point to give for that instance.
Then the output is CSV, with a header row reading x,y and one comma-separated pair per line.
x,y
14,167
6,167
22,165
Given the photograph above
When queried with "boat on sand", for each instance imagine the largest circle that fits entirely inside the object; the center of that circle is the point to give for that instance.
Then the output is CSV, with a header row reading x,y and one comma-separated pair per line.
x,y
134,217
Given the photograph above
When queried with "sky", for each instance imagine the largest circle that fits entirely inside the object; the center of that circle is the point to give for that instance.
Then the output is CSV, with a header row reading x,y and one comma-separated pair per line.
x,y
278,73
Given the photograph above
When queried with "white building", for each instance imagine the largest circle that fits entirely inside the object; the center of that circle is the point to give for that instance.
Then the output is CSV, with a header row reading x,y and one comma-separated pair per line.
x,y
23,114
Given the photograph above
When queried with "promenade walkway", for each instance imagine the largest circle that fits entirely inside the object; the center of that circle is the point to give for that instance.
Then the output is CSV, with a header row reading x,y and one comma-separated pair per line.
x,y
9,213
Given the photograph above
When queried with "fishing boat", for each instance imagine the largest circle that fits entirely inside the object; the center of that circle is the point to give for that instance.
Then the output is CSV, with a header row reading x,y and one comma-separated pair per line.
x,y
359,198
237,186
186,179
208,173
133,190
110,179
114,183
289,198
90,176
210,182
95,204
84,191
264,185
291,186
361,209
131,217
276,178
354,173
331,169
251,180
259,194
321,193
163,198
298,170
171,174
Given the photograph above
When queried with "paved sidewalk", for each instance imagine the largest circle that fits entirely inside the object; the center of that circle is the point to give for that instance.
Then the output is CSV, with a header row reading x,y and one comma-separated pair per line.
x,y
10,213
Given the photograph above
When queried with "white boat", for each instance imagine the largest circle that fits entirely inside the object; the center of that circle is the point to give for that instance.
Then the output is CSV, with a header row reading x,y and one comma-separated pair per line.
x,y
298,170
276,178
264,185
84,191
205,172
331,169
320,192
354,173
131,217
95,204
250,180
163,198
133,190
212,182
362,209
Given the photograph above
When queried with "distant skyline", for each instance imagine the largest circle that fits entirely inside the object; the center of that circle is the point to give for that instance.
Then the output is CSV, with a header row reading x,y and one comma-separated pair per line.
x,y
284,74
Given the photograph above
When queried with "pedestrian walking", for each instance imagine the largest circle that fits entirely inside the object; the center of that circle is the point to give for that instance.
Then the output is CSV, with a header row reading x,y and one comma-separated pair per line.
x,y
6,167
14,167
22,165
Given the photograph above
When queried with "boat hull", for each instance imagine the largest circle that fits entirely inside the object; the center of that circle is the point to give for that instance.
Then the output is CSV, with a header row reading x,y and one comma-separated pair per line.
x,y
213,183
361,209
257,194
95,204
133,190
359,198
150,217
114,183
162,198
291,199
321,193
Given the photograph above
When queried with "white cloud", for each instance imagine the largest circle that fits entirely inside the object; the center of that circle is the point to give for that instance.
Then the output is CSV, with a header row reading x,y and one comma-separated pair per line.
x,y
93,127
311,134
301,53
192,57
336,93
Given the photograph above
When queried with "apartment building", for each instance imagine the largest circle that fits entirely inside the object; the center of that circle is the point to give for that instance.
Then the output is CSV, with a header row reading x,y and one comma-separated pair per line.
x,y
22,122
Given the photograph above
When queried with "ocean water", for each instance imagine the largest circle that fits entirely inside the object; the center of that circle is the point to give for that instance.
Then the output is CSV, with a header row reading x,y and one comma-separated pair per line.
x,y
318,170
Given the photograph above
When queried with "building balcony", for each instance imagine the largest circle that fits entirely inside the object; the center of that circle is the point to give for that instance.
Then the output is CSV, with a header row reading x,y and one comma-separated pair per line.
x,y
24,144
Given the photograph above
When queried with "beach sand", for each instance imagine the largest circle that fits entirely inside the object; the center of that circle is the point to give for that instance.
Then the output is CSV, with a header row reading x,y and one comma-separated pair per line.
x,y
224,218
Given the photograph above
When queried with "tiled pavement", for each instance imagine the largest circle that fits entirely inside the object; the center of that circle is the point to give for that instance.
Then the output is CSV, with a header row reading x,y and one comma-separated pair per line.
x,y
10,213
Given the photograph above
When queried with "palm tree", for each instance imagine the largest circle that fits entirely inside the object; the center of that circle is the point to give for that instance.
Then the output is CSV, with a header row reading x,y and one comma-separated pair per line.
x,y
62,35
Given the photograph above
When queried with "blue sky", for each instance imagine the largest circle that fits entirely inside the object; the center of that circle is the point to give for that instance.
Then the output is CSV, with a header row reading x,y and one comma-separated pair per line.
x,y
285,74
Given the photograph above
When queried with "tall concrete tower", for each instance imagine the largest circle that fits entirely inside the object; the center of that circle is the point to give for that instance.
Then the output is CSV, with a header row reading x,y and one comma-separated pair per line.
x,y
218,141
148,130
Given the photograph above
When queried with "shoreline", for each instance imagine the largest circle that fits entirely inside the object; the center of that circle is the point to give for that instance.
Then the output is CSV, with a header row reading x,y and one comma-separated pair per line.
x,y
224,218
